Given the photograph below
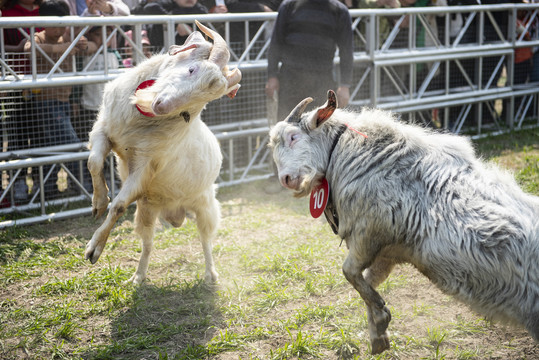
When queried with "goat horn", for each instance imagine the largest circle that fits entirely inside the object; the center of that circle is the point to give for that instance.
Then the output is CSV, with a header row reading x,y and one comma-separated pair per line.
x,y
219,53
298,110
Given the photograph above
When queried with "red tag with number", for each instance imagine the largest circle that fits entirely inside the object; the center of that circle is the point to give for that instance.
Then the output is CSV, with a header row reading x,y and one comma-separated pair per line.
x,y
319,199
144,85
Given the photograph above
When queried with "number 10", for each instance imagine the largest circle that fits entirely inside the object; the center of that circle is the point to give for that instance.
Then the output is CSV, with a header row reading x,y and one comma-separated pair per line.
x,y
318,198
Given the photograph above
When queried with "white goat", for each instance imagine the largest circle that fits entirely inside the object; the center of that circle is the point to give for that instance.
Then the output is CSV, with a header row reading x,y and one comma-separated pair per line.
x,y
400,193
168,159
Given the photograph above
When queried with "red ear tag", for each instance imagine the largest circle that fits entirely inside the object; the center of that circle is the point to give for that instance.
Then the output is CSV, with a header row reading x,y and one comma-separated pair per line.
x,y
144,85
319,199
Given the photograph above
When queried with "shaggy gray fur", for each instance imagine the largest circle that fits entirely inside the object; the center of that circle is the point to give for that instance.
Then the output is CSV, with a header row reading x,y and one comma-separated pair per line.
x,y
407,194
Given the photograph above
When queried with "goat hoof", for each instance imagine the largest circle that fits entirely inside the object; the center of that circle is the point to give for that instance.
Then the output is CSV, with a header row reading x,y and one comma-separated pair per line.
x,y
211,280
382,319
380,344
135,280
388,313
211,277
96,213
93,259
91,255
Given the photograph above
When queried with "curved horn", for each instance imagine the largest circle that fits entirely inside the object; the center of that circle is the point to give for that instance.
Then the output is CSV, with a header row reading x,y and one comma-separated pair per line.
x,y
219,53
298,110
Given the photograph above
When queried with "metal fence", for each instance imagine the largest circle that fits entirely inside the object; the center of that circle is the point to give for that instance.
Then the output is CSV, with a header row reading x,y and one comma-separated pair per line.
x,y
445,67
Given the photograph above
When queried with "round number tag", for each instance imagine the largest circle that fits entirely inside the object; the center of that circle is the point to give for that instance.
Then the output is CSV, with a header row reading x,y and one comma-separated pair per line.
x,y
319,199
144,85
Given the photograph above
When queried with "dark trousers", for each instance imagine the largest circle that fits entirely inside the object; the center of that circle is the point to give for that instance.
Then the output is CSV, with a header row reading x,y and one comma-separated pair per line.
x,y
57,130
296,85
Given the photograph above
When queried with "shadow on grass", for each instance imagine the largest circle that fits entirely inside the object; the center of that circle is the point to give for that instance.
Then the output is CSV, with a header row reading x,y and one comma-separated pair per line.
x,y
169,322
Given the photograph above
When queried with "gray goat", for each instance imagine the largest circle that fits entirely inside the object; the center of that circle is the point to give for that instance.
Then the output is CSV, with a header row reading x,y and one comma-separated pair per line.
x,y
402,194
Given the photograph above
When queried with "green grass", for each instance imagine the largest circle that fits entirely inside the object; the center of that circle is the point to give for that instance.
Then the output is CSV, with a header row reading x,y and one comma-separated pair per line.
x,y
282,294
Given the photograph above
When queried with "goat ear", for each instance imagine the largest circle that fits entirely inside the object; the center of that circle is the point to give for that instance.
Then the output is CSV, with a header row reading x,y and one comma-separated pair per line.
x,y
324,112
174,49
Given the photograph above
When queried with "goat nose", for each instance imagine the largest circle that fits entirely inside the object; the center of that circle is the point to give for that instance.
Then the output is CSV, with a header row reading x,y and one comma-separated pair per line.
x,y
159,107
285,181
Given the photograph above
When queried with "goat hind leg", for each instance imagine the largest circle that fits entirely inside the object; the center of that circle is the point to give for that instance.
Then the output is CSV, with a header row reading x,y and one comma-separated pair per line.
x,y
378,314
208,218
144,225
532,325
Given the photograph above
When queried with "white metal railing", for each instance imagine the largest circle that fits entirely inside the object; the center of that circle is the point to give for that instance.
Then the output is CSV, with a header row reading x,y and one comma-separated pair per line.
x,y
386,75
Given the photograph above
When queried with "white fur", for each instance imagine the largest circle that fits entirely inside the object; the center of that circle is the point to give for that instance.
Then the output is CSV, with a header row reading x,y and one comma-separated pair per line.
x,y
168,165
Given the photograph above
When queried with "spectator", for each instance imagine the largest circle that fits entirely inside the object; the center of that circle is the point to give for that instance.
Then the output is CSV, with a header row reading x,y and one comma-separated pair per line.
x,y
18,123
169,7
305,37
186,7
215,6
237,29
386,24
92,8
127,61
13,38
522,59
534,73
98,8
523,56
92,94
304,40
350,3
52,104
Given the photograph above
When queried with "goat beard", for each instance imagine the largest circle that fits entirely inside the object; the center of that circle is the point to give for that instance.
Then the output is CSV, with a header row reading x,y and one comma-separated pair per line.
x,y
307,184
144,100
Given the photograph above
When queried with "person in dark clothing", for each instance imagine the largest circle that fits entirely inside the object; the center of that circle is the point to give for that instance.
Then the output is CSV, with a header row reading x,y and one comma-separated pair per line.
x,y
169,7
304,40
237,29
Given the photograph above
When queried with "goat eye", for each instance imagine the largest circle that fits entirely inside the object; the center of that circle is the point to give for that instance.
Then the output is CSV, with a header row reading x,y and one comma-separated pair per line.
x,y
293,139
191,69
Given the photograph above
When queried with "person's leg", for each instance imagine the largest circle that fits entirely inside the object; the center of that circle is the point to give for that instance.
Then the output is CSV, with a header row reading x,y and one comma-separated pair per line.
x,y
59,131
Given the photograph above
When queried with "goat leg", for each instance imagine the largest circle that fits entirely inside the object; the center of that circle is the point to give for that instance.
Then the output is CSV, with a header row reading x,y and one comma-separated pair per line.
x,y
378,314
126,196
145,218
100,148
208,215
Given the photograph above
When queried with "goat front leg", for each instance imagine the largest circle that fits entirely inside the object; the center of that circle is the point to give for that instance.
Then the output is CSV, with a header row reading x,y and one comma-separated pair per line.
x,y
378,314
128,193
100,147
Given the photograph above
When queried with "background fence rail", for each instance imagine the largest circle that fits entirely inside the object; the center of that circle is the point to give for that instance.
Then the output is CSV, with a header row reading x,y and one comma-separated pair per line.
x,y
464,80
